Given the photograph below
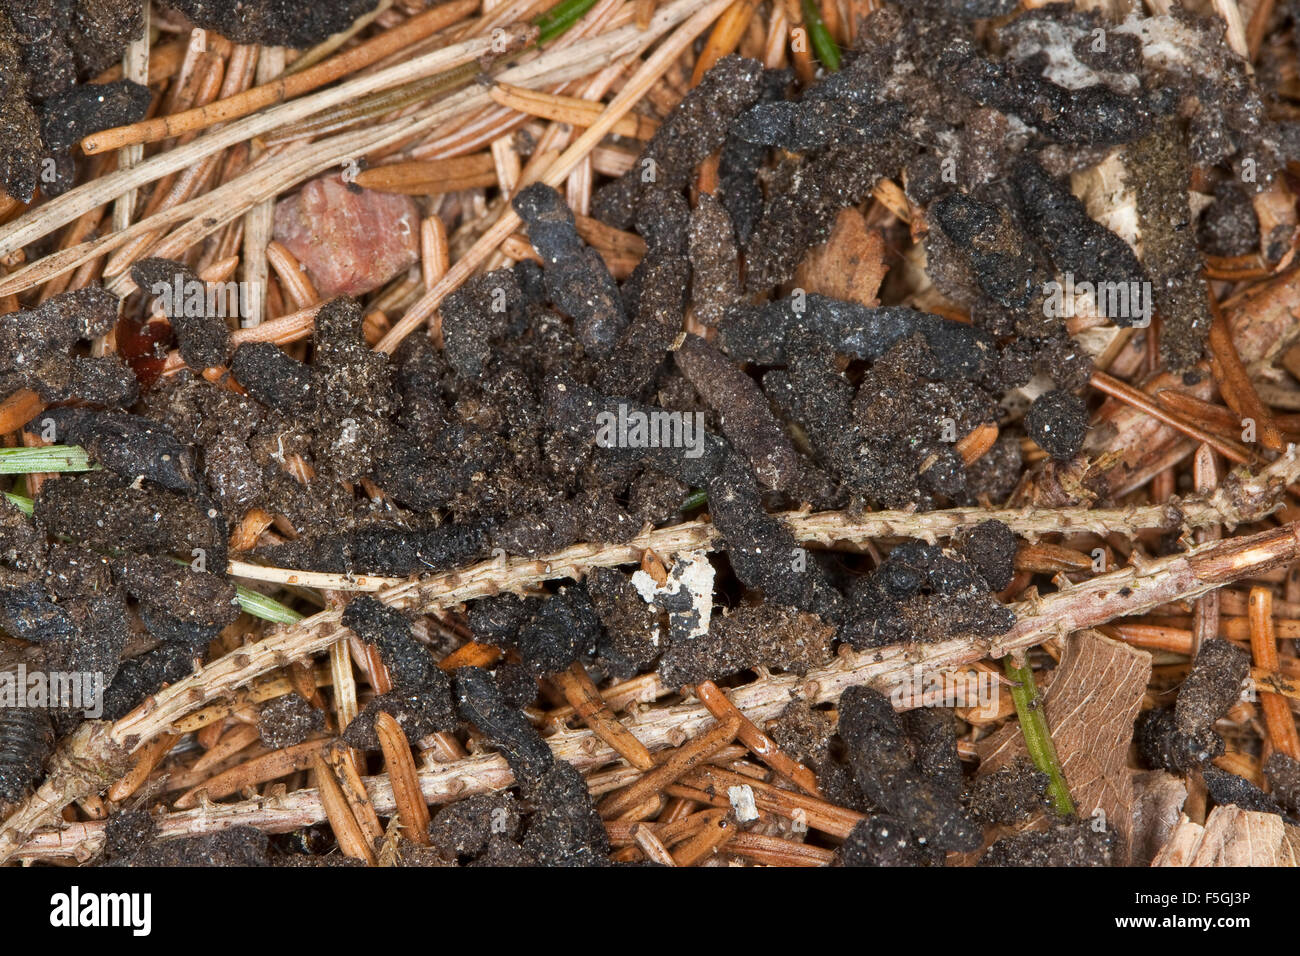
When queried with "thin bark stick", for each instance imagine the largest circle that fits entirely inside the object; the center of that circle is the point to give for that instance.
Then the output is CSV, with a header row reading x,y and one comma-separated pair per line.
x,y
94,757
1239,501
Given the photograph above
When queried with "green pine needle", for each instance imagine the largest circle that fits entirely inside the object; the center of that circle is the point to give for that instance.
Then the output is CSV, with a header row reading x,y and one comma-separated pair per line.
x,y
268,609
25,505
823,43
555,21
21,461
695,499
1038,736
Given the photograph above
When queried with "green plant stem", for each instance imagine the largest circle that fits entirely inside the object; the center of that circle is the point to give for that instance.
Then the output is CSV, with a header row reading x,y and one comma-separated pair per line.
x,y
21,461
823,43
1038,736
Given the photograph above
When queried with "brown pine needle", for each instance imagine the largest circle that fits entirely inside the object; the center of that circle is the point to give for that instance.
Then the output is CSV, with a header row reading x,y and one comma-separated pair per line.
x,y
710,784
411,808
249,529
471,654
650,845
976,443
230,743
724,39
1234,382
347,831
719,827
293,280
568,109
1043,558
645,11
1222,419
420,175
1140,400
276,764
680,761
760,744
18,409
581,693
435,251
342,761
1263,647
774,851
250,101
149,758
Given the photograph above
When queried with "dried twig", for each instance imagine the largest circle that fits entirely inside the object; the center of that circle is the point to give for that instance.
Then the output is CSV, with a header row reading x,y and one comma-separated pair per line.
x,y
85,763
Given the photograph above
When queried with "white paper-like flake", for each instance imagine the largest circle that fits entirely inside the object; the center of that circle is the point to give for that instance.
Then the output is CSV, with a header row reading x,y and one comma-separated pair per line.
x,y
742,801
691,574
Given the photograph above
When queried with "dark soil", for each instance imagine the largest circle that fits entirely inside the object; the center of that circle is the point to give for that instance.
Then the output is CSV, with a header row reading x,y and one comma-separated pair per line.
x,y
1065,844
462,830
289,720
1010,794
1183,737
282,22
890,767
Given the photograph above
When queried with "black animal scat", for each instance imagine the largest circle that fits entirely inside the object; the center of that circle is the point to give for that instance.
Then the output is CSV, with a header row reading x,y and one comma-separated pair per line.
x,y
762,333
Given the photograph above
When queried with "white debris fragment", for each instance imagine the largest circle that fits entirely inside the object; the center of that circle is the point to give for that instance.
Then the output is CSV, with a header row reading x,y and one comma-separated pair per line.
x,y
687,595
742,801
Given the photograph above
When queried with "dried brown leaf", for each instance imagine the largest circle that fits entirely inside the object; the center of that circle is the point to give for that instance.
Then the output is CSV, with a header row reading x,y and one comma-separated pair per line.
x,y
1232,837
1091,702
1158,798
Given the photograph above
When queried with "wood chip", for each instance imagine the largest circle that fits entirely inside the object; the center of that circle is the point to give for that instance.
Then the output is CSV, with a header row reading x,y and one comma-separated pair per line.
x,y
849,265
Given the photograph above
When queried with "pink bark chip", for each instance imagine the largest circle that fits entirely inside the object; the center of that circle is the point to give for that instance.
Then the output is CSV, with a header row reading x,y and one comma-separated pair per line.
x,y
350,240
